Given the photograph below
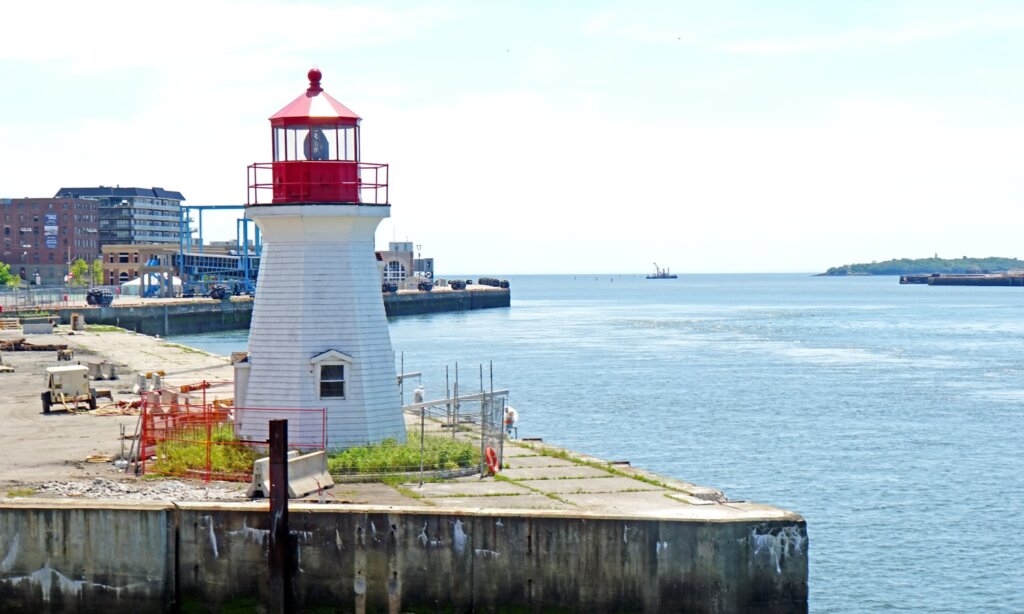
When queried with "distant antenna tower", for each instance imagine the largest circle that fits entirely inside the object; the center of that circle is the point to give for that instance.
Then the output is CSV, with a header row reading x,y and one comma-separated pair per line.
x,y
418,247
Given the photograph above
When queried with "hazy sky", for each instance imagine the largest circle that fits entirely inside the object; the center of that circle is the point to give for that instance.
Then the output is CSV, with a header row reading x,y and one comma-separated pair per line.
x,y
533,137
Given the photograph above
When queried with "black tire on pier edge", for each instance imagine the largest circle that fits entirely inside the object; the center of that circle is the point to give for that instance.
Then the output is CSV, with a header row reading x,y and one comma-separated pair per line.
x,y
92,398
46,402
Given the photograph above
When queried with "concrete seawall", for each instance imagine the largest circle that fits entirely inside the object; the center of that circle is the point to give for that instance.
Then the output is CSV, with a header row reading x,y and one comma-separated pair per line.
x,y
183,317
93,556
416,303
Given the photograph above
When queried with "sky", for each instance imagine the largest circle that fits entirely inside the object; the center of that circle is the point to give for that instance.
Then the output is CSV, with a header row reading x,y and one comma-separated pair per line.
x,y
557,137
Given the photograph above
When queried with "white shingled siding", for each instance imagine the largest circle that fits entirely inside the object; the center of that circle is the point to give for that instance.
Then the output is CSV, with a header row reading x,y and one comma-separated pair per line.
x,y
319,290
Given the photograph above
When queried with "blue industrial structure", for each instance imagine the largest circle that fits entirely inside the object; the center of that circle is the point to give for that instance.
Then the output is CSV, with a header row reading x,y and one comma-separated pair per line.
x,y
154,283
235,270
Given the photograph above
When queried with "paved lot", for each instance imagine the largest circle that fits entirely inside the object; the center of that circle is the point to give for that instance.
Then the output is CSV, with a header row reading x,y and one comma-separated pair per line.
x,y
39,447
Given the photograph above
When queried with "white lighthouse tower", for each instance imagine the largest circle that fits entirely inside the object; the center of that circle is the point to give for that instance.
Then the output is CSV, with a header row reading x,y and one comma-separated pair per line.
x,y
319,336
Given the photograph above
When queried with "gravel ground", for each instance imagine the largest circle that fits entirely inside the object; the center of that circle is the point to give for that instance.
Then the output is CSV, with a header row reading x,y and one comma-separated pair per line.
x,y
147,490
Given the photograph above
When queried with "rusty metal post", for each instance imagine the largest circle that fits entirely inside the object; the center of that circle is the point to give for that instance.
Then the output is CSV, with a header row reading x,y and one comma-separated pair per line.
x,y
208,419
280,552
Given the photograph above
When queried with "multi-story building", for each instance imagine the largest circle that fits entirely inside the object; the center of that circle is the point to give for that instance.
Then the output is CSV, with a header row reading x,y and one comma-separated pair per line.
x,y
400,263
218,262
134,216
42,236
123,263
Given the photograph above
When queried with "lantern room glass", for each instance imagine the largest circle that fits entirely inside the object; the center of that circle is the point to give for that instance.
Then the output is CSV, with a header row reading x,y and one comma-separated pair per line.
x,y
316,142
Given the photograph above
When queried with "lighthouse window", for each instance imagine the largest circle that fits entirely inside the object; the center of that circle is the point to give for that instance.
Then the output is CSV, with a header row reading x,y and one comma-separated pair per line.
x,y
294,139
332,381
346,147
279,144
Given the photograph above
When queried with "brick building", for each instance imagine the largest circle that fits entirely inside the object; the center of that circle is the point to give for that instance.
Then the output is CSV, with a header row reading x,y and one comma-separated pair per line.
x,y
42,235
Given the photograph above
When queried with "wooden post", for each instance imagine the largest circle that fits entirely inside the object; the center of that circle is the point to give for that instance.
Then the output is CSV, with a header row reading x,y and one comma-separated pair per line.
x,y
280,551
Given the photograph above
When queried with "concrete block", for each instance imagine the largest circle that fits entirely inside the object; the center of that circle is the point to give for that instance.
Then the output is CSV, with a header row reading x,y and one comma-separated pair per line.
x,y
260,486
307,474
101,369
37,328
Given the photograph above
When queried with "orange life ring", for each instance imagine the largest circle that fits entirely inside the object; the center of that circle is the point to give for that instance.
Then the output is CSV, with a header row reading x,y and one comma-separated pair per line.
x,y
491,458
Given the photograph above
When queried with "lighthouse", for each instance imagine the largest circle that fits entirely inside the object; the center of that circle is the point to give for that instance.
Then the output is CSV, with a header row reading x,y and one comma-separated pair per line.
x,y
319,335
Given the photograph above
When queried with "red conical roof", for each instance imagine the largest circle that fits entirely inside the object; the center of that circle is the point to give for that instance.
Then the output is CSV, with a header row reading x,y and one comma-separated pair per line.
x,y
315,104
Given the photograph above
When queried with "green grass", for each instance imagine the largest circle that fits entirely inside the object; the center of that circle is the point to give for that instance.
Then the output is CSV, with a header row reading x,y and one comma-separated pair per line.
x,y
549,495
226,456
184,348
103,328
21,492
390,456
34,314
564,455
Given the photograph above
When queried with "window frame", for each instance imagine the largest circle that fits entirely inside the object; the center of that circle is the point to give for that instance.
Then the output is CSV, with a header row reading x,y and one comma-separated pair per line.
x,y
320,380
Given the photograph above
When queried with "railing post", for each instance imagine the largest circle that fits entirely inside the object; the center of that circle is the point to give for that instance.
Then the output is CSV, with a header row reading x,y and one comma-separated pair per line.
x,y
140,457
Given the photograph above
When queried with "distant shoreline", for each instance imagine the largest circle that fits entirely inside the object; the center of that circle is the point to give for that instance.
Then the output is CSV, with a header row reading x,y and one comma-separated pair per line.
x,y
928,266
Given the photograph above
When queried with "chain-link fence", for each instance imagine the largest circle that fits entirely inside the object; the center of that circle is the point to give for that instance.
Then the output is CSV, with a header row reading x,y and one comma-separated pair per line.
x,y
46,298
492,432
212,441
477,417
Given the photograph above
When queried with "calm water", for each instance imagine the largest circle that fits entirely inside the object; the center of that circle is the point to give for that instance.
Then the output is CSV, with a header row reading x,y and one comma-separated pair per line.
x,y
889,416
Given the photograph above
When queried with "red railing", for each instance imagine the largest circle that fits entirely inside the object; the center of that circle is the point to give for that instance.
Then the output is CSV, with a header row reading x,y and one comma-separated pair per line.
x,y
215,441
368,184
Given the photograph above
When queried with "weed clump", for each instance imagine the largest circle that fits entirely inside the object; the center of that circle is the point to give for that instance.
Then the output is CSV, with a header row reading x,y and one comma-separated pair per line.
x,y
186,454
389,456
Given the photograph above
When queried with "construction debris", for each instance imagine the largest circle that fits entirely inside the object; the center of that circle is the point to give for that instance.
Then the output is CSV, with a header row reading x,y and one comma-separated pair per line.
x,y
120,408
20,345
193,387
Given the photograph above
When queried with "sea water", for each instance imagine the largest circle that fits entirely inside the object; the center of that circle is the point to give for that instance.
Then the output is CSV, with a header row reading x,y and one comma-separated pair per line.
x,y
889,416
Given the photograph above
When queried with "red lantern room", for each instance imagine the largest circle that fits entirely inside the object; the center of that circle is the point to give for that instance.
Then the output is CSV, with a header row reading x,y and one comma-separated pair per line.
x,y
316,155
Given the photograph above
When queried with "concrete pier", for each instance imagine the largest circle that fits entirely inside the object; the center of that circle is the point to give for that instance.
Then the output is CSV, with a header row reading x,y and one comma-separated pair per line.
x,y
167,317
93,556
558,531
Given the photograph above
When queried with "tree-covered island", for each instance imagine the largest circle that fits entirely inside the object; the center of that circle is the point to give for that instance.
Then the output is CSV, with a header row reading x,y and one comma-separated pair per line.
x,y
926,266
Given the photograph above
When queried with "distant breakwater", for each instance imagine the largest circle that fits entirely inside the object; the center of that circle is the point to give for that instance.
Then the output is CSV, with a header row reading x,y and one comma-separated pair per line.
x,y
207,315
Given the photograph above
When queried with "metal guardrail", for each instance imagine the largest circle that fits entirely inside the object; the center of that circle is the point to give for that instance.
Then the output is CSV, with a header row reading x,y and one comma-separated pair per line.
x,y
372,184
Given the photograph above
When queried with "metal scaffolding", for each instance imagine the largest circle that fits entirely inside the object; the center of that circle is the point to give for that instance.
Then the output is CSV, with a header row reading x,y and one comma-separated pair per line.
x,y
236,270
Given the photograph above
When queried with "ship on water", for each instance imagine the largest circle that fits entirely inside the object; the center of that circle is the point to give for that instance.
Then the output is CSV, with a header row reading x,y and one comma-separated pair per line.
x,y
660,273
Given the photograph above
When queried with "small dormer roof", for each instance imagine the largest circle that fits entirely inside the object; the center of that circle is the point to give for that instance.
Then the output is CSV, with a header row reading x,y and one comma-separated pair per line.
x,y
330,356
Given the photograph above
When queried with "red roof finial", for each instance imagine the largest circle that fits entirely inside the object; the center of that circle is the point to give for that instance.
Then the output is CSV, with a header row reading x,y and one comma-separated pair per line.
x,y
314,82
